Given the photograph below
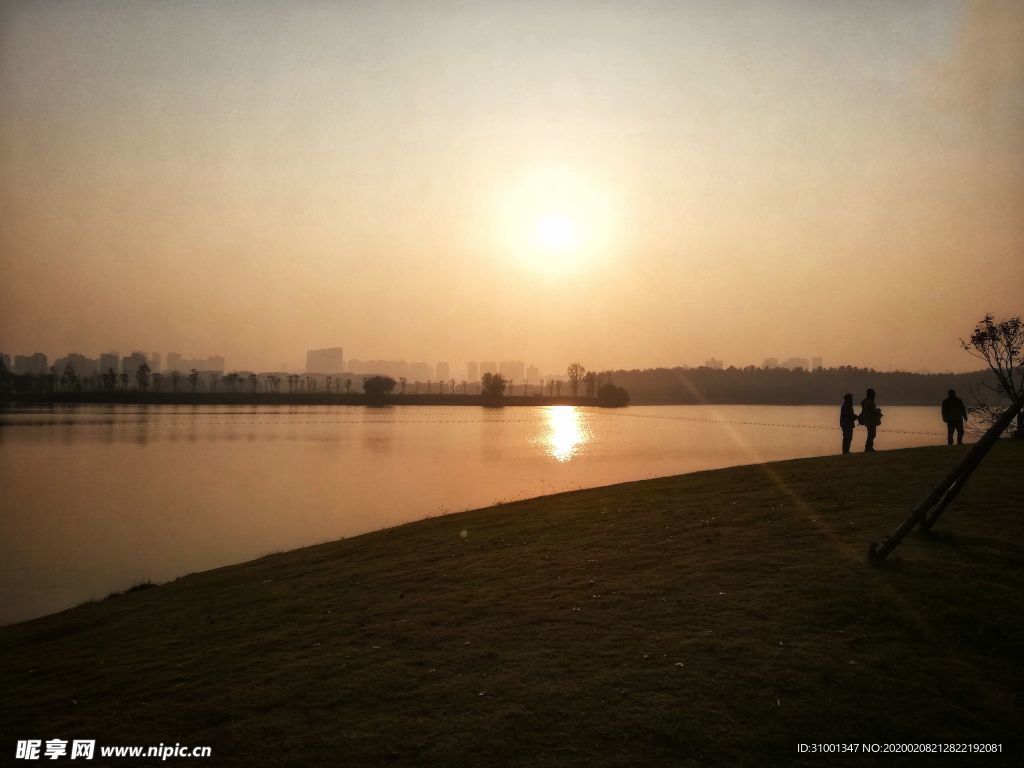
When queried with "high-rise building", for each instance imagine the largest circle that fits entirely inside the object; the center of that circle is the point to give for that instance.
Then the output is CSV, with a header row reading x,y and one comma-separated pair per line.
x,y
488,366
792,363
80,364
771,362
513,370
714,363
34,363
175,362
110,361
532,374
154,362
330,360
472,372
443,371
132,363
816,363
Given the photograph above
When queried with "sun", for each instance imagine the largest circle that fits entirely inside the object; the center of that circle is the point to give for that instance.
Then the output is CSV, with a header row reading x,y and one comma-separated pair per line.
x,y
555,221
557,232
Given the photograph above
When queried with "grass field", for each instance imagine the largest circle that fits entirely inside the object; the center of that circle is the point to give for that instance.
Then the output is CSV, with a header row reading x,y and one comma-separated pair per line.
x,y
718,618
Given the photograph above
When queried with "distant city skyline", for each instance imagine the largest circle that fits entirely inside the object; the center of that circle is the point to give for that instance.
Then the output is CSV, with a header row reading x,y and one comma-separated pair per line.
x,y
332,361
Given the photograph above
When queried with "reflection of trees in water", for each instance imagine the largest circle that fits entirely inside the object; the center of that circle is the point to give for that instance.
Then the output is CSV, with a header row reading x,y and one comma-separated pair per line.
x,y
379,442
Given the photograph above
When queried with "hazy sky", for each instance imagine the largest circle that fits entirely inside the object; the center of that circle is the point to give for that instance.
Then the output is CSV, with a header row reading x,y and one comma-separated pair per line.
x,y
620,183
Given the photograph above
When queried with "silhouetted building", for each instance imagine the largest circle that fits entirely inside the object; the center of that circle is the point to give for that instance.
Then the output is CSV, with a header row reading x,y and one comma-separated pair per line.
x,y
792,363
212,364
80,365
514,370
131,364
532,374
816,363
35,363
110,361
442,371
330,360
713,363
771,362
472,372
154,362
488,366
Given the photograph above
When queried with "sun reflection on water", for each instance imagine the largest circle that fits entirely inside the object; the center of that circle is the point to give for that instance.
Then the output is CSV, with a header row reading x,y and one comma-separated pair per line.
x,y
567,431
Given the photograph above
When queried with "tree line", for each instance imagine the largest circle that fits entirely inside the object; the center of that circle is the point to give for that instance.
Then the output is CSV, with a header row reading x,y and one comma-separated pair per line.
x,y
779,386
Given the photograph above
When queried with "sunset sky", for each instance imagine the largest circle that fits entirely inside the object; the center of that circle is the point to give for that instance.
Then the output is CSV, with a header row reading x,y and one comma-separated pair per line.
x,y
627,184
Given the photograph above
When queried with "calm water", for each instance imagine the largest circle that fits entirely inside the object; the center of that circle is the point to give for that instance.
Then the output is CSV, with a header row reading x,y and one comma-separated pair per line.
x,y
97,498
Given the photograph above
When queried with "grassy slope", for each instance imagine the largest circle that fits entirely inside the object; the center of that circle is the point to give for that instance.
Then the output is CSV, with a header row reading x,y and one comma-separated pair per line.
x,y
709,619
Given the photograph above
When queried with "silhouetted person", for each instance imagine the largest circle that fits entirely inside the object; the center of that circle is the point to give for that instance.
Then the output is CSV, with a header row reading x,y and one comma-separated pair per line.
x,y
954,413
847,421
870,417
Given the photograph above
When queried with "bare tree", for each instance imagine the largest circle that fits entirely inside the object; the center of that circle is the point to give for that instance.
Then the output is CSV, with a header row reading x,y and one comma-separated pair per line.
x,y
575,372
142,377
999,343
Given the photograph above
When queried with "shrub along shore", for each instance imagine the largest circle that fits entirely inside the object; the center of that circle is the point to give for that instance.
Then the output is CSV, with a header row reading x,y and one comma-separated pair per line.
x,y
719,618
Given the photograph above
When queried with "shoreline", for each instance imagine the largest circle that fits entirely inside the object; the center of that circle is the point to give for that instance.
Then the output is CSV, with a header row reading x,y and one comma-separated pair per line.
x,y
688,620
280,398
541,498
763,466
322,398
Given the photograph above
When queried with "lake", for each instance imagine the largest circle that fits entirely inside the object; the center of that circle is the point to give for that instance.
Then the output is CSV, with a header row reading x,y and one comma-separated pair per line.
x,y
97,498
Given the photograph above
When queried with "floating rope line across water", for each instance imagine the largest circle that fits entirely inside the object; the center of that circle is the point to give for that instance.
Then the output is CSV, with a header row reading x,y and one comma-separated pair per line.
x,y
765,423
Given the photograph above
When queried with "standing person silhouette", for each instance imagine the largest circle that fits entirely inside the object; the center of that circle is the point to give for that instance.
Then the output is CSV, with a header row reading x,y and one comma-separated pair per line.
x,y
870,416
847,421
954,413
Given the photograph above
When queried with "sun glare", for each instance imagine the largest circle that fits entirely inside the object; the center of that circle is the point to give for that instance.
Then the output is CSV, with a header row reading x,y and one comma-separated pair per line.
x,y
567,432
556,232
555,221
